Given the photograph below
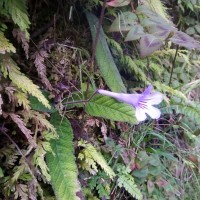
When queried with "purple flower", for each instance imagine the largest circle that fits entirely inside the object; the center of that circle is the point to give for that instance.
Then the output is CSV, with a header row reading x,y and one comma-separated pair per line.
x,y
142,102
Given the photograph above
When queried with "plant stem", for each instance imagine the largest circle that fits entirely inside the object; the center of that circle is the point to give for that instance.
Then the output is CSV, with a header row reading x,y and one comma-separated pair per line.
x,y
82,101
173,65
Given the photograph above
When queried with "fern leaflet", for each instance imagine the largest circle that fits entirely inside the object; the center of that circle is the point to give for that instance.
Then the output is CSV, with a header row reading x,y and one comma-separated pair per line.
x,y
18,12
127,181
9,67
91,153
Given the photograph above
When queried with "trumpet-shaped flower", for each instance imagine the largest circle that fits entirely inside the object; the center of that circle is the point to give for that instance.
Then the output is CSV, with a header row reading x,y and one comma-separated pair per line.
x,y
143,103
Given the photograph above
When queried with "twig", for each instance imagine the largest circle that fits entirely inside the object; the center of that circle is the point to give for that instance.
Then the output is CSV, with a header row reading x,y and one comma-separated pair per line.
x,y
82,101
12,141
173,65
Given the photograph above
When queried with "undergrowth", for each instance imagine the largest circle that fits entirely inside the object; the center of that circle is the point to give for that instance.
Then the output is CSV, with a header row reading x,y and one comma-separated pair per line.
x,y
59,138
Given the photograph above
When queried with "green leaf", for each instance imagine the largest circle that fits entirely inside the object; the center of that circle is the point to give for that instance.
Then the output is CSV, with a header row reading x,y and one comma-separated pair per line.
x,y
18,11
148,44
104,58
37,105
62,166
154,160
5,45
91,152
10,68
127,181
124,22
135,33
141,173
197,28
109,108
1,173
185,40
143,158
155,171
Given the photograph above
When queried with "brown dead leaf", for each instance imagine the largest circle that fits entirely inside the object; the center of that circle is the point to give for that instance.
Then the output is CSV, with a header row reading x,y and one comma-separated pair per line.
x,y
20,123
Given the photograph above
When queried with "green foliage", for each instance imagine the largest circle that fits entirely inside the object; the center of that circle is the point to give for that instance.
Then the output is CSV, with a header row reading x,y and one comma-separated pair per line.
x,y
61,164
154,159
124,22
153,30
109,108
37,105
132,67
17,10
90,156
167,89
10,69
191,110
127,181
104,58
158,7
101,183
6,46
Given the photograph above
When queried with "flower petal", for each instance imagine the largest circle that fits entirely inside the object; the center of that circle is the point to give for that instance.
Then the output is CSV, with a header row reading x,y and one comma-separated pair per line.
x,y
140,114
132,99
147,90
153,112
154,98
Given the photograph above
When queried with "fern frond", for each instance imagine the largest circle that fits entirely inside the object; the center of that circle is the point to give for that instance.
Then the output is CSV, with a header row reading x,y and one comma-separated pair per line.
x,y
9,67
18,12
21,191
5,45
156,68
115,45
21,38
20,123
40,119
38,160
131,67
191,86
158,7
171,52
126,181
101,182
39,57
91,153
166,89
22,99
190,110
10,154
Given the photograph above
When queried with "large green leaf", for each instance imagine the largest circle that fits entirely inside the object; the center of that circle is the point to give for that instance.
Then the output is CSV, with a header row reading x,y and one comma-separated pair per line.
x,y
62,166
104,58
109,108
